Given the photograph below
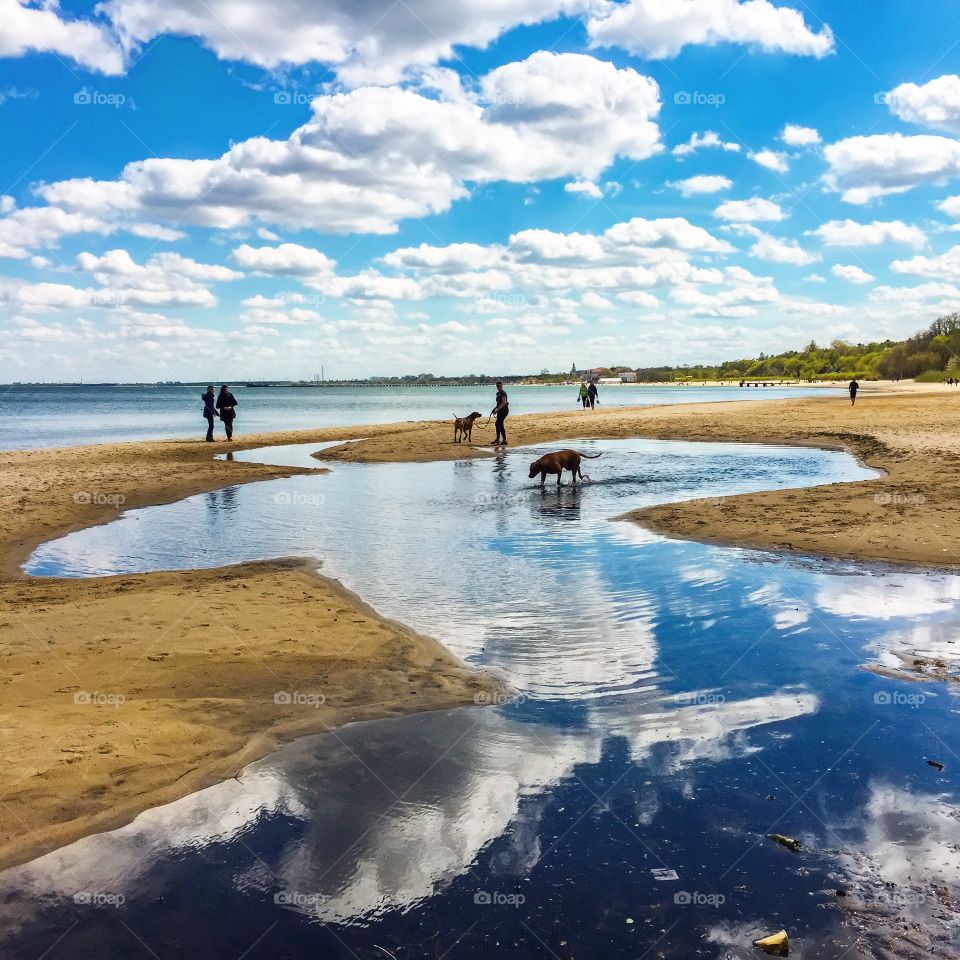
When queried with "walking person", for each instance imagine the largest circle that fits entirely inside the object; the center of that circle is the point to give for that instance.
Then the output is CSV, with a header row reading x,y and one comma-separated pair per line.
x,y
227,406
502,410
584,394
853,387
593,394
209,411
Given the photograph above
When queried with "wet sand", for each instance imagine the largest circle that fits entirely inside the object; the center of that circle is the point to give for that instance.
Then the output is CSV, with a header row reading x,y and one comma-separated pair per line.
x,y
122,692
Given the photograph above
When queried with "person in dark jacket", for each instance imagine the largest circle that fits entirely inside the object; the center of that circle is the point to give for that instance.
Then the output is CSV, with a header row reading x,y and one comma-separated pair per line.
x,y
209,411
227,406
853,387
592,394
501,411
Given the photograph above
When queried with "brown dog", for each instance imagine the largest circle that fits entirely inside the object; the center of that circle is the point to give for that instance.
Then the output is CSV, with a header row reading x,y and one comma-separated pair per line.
x,y
558,462
463,427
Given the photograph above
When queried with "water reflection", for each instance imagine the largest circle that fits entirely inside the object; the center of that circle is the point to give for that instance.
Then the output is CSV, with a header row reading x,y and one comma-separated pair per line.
x,y
679,702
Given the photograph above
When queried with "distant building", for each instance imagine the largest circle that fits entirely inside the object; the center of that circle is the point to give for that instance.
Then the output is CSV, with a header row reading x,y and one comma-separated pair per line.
x,y
628,376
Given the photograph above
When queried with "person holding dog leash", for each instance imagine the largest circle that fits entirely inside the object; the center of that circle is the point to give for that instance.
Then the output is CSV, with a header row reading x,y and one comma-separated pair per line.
x,y
502,410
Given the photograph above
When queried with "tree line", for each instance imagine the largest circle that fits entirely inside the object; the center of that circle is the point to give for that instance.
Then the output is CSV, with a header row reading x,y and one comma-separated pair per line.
x,y
932,355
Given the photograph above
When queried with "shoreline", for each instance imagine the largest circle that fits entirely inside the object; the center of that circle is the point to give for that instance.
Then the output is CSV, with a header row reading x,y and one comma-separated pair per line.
x,y
72,772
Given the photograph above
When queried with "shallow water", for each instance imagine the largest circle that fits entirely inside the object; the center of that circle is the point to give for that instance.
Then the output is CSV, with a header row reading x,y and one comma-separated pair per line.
x,y
55,416
677,703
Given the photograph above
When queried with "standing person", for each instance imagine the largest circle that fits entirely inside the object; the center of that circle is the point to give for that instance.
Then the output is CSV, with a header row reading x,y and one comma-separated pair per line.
x,y
853,387
593,395
502,410
227,405
209,411
584,394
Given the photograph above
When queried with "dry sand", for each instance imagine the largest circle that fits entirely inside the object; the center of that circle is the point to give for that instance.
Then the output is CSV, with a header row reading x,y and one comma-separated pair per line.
x,y
121,692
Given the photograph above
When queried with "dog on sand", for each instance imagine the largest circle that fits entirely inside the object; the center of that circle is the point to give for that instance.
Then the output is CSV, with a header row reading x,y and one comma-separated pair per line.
x,y
558,462
463,427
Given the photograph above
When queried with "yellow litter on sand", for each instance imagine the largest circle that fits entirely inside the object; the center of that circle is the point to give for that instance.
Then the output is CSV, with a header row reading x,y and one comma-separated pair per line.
x,y
777,943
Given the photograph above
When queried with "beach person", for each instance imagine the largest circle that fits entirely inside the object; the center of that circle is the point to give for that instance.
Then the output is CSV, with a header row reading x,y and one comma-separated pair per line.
x,y
501,410
209,411
584,394
227,406
593,395
853,387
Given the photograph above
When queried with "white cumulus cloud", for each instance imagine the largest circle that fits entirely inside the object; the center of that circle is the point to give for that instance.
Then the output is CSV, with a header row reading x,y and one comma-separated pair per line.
x,y
796,136
850,272
746,211
371,157
27,26
705,183
946,266
865,168
934,104
849,233
662,28
771,159
705,141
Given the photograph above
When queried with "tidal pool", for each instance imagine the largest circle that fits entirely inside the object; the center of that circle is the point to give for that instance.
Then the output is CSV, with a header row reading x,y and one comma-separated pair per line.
x,y
676,704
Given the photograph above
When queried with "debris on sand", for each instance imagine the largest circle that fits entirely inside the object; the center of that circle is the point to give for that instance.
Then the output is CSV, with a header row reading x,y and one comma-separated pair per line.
x,y
795,845
936,764
777,944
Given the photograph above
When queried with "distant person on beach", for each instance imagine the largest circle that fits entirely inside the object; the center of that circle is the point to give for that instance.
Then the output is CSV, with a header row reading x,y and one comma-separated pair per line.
x,y
592,394
209,411
584,394
227,405
501,410
853,387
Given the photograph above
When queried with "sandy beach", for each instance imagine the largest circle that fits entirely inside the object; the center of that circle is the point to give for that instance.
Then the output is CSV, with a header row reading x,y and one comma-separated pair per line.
x,y
122,692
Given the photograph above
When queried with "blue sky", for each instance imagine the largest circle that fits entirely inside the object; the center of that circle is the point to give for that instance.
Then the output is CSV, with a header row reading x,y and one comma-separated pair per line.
x,y
228,190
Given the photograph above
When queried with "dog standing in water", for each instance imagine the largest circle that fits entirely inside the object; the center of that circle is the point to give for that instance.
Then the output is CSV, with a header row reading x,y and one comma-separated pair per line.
x,y
558,462
463,427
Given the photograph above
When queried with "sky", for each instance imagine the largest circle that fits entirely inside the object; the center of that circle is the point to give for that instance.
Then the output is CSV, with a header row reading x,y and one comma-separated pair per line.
x,y
240,189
